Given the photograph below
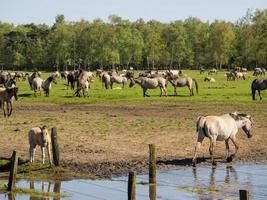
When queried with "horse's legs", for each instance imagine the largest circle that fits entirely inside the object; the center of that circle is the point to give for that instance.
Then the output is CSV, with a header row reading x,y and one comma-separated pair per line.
x,y
259,91
190,90
253,94
197,147
32,152
213,144
10,108
43,154
144,92
175,92
160,91
165,91
123,85
236,146
4,109
227,148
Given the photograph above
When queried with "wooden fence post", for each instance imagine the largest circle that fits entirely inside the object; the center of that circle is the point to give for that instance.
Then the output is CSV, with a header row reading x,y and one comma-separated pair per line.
x,y
152,172
243,195
131,186
55,147
13,172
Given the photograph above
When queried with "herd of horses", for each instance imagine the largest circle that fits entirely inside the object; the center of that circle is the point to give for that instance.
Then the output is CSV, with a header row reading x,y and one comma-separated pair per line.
x,y
216,128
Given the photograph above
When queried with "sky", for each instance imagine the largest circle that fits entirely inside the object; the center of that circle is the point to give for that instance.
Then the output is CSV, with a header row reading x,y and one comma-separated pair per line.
x,y
45,11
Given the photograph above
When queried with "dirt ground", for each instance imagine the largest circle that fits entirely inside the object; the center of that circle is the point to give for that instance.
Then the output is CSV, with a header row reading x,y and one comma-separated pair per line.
x,y
105,140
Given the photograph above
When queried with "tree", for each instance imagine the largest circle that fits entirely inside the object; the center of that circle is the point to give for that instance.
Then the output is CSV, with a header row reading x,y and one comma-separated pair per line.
x,y
222,41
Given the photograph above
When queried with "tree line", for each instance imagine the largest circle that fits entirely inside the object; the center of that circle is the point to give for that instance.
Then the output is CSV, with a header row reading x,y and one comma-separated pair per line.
x,y
120,43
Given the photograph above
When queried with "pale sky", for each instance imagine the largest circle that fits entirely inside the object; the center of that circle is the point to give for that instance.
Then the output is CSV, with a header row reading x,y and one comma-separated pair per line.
x,y
45,11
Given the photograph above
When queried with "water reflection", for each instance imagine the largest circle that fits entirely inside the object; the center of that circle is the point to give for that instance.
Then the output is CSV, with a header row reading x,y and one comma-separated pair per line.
x,y
219,180
57,186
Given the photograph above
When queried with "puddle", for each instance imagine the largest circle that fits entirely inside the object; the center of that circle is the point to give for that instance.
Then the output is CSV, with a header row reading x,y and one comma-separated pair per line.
x,y
203,182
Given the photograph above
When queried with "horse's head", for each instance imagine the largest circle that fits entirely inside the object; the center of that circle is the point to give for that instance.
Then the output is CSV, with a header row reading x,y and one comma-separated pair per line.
x,y
245,122
247,125
45,135
13,91
131,83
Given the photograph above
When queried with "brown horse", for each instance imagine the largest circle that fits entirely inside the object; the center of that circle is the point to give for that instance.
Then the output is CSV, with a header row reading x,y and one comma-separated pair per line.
x,y
6,95
258,85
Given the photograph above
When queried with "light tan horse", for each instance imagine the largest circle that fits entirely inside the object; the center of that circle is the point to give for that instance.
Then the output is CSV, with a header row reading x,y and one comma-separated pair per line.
x,y
221,128
183,82
150,83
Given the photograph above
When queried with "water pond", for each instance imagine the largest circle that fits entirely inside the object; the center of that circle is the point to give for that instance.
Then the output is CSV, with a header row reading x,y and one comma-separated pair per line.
x,y
203,182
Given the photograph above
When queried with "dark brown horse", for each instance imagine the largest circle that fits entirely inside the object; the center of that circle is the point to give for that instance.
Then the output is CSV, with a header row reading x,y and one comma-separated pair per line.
x,y
258,85
6,95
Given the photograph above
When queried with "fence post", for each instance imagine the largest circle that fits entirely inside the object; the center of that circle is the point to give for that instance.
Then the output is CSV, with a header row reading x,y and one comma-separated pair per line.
x,y
13,172
131,186
243,195
152,172
55,147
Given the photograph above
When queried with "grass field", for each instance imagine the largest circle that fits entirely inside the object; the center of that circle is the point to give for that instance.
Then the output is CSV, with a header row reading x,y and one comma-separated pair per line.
x,y
221,91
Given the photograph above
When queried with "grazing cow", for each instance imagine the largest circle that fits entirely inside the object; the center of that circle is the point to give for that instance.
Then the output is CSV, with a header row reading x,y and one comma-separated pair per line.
x,y
41,137
222,128
6,96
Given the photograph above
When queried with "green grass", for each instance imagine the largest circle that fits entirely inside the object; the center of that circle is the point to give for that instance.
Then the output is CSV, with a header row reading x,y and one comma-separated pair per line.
x,y
220,91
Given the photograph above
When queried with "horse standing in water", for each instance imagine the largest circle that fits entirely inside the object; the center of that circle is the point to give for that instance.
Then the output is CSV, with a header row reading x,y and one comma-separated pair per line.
x,y
258,85
222,128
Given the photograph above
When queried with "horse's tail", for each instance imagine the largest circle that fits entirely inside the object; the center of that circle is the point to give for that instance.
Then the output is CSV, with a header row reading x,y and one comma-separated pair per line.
x,y
200,123
253,89
196,84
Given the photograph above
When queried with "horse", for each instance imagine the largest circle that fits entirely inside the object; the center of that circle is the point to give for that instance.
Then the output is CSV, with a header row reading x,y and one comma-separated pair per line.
x,y
38,84
118,79
33,76
221,128
209,79
213,71
6,96
258,85
150,83
184,81
83,83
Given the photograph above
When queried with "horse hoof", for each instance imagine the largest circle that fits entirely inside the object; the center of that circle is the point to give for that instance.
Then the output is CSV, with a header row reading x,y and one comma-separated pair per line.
x,y
229,159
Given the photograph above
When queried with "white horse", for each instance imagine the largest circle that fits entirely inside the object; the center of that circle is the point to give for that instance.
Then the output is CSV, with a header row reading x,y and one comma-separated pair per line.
x,y
221,128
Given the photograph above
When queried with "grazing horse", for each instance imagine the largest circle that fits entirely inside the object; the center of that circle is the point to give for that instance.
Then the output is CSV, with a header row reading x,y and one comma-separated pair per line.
x,y
6,96
221,128
33,76
184,81
209,79
83,83
118,79
258,85
105,79
38,84
213,71
150,83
